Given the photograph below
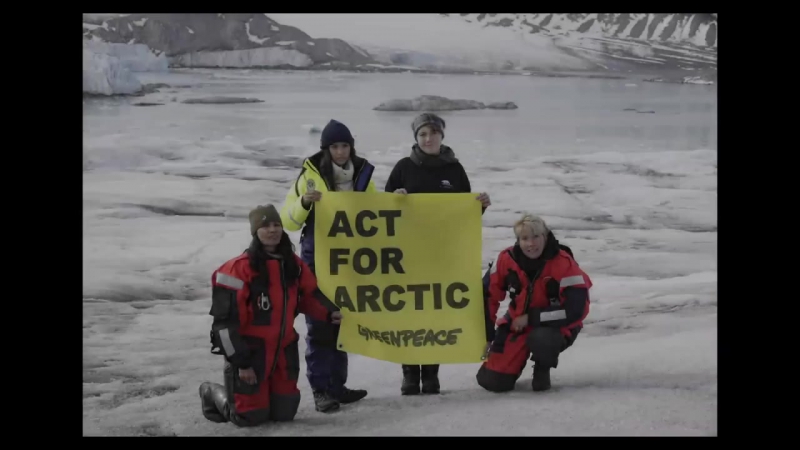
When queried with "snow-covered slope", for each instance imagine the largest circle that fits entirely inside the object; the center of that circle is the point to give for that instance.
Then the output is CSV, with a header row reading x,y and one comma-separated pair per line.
x,y
435,42
109,69
223,40
674,41
671,45
699,30
546,42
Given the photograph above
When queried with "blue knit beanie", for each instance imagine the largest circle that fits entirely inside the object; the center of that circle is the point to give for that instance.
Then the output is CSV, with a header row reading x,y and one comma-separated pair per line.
x,y
334,132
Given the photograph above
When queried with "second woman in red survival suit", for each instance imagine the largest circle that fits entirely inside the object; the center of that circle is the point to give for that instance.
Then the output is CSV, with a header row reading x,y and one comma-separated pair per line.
x,y
255,299
549,300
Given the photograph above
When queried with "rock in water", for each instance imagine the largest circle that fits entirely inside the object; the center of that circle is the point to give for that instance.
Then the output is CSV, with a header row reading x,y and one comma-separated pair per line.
x,y
153,87
437,103
502,105
395,105
221,100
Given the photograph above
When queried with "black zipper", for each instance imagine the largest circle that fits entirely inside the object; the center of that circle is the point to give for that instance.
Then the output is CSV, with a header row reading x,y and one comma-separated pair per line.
x,y
528,296
355,180
283,317
529,291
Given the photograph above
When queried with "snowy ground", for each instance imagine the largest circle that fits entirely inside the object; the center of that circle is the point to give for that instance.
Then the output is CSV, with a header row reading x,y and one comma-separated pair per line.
x,y
165,202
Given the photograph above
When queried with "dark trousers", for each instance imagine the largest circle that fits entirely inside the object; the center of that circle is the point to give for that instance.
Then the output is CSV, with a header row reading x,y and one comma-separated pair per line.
x,y
326,367
425,370
510,352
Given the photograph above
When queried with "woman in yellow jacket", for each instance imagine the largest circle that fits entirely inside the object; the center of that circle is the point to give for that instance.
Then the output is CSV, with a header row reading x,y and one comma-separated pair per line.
x,y
334,168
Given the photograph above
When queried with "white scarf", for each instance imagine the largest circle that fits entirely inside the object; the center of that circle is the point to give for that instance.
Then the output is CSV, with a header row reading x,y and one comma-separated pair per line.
x,y
343,176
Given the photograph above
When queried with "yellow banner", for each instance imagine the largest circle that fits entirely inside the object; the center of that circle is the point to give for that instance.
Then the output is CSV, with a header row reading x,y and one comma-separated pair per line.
x,y
406,272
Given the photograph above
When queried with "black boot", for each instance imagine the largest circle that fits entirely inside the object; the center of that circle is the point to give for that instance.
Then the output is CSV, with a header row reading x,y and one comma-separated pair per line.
x,y
351,395
215,402
323,402
430,379
410,380
541,378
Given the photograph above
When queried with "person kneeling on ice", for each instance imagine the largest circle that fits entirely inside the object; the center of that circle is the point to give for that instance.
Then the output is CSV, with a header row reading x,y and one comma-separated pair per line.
x,y
549,301
255,299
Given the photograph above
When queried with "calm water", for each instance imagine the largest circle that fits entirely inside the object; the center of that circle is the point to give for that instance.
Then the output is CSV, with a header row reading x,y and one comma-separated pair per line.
x,y
556,116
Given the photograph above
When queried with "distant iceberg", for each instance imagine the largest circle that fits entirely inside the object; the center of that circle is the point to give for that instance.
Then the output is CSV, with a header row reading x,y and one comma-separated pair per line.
x,y
696,80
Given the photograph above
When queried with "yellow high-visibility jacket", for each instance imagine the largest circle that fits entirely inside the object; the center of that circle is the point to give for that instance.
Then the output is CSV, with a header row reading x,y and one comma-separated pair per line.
x,y
294,216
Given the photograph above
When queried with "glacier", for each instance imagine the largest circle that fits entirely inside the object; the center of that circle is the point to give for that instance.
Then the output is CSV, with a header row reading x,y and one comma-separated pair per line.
x,y
110,68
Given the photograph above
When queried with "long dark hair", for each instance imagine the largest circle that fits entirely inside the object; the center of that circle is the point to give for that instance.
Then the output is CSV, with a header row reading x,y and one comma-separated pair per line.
x,y
258,258
326,165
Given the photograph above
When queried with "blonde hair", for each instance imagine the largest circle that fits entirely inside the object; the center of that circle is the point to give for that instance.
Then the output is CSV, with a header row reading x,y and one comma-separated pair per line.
x,y
530,222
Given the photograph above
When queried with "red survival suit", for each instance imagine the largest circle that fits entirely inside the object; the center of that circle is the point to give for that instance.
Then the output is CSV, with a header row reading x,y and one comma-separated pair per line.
x,y
254,327
556,302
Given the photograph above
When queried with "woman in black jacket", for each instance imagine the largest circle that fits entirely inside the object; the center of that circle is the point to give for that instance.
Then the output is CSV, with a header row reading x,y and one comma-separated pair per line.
x,y
431,168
